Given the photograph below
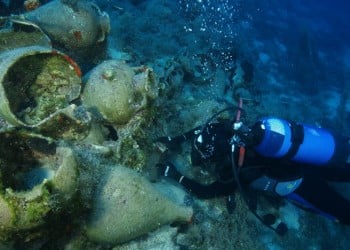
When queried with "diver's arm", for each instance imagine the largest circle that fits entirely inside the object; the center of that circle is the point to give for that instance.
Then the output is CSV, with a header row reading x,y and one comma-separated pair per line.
x,y
176,140
202,191
223,127
212,190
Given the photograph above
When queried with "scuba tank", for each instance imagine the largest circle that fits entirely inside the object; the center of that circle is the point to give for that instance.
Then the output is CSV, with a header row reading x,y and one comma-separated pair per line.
x,y
279,138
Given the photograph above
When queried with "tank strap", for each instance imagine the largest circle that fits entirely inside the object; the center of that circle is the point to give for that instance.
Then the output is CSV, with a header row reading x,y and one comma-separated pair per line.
x,y
241,153
297,139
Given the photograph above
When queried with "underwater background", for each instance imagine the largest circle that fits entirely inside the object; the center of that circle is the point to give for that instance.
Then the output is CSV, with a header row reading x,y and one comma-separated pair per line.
x,y
293,54
285,58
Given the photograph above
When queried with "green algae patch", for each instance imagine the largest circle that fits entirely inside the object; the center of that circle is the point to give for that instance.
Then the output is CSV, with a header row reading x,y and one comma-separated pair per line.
x,y
35,83
39,184
38,85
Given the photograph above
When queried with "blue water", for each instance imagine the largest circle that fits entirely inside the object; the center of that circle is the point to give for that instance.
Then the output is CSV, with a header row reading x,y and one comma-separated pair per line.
x,y
299,48
296,59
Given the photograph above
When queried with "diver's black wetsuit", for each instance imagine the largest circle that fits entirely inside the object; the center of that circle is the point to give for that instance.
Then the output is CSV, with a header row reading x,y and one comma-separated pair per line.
x,y
305,185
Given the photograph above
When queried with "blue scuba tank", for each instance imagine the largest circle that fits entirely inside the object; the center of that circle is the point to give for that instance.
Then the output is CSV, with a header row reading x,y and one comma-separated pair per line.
x,y
279,138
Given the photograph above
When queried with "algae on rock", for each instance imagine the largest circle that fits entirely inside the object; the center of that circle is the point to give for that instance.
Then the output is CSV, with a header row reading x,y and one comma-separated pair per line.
x,y
22,34
37,178
35,83
134,144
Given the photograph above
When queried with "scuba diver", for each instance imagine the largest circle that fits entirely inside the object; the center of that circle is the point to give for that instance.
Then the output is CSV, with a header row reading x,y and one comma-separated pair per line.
x,y
284,159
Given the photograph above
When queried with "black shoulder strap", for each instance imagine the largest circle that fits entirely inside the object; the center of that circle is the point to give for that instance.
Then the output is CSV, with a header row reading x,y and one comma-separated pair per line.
x,y
296,140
